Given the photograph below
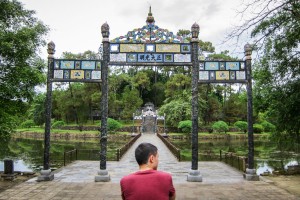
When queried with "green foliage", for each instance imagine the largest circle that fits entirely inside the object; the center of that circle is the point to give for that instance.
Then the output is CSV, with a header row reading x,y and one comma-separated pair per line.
x,y
21,35
268,127
58,124
113,125
258,128
242,125
220,126
185,126
276,28
176,111
28,124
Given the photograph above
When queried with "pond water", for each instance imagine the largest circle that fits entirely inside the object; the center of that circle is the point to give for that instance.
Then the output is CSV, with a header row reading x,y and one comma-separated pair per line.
x,y
268,155
27,153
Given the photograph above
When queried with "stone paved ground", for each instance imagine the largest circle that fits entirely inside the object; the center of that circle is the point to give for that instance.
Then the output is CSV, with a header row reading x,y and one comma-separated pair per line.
x,y
76,181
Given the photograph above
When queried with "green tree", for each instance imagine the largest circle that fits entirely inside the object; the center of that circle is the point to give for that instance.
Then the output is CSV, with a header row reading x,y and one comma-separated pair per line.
x,y
276,29
220,126
21,35
37,109
185,126
131,102
242,125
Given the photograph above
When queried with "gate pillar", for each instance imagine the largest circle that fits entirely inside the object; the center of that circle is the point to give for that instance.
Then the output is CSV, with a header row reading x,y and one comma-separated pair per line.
x,y
250,174
46,174
194,174
103,175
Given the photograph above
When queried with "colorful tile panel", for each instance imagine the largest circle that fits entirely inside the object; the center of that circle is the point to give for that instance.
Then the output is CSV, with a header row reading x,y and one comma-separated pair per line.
x,y
132,48
168,48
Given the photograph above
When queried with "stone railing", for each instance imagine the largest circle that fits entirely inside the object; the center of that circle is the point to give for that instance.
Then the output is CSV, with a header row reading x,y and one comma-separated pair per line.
x,y
123,150
230,158
171,147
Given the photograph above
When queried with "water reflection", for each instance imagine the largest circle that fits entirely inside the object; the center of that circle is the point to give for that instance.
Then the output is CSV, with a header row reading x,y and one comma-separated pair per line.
x,y
269,156
27,153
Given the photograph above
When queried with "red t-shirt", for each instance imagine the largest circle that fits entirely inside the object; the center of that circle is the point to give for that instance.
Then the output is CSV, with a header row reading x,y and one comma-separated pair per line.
x,y
147,185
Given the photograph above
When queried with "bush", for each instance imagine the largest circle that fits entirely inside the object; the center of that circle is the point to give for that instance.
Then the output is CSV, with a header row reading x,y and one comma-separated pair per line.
x,y
242,125
58,124
220,126
113,125
185,126
258,128
268,127
28,124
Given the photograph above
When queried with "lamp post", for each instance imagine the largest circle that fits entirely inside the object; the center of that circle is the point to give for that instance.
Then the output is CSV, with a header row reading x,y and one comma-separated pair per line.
x,y
194,174
46,174
250,171
103,175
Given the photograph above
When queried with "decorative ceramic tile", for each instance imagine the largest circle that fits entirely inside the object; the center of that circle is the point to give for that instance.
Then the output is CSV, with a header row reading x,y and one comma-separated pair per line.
x,y
222,75
114,47
98,65
182,57
242,64
119,57
59,74
87,74
150,47
232,66
132,48
232,75
88,64
211,65
68,64
168,58
203,75
185,48
96,74
168,48
131,57
77,74
240,75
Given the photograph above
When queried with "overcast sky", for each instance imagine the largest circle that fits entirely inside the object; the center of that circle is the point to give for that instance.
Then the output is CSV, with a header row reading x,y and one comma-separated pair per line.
x,y
75,24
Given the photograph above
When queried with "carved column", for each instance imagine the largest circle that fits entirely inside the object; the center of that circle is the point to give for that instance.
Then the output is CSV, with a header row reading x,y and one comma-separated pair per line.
x,y
46,174
194,174
103,175
250,171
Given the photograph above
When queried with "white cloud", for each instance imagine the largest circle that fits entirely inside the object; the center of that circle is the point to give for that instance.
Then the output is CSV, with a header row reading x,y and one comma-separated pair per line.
x,y
75,24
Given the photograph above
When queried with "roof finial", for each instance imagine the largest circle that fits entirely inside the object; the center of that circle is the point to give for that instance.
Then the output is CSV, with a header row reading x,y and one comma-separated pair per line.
x,y
150,18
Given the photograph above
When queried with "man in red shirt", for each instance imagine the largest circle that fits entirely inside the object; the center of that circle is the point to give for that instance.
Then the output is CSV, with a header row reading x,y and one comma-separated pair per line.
x,y
147,183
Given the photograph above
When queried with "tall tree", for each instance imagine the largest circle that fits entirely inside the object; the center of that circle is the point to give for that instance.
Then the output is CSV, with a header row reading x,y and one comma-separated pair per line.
x,y
21,35
276,28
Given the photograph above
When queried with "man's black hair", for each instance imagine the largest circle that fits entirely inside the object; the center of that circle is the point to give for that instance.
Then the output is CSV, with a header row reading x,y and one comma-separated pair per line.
x,y
144,151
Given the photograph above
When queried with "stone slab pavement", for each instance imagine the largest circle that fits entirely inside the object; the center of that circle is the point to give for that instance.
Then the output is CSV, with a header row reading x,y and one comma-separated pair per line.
x,y
76,181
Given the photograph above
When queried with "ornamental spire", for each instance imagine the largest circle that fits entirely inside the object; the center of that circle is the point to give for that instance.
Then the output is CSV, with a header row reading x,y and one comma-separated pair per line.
x,y
150,18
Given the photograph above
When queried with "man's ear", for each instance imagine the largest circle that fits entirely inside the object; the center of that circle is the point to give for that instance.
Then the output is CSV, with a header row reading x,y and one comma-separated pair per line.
x,y
151,157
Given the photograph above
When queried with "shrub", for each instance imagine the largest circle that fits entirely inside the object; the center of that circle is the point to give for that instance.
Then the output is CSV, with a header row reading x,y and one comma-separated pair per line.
x,y
113,125
185,126
258,128
242,125
28,124
220,126
268,127
58,124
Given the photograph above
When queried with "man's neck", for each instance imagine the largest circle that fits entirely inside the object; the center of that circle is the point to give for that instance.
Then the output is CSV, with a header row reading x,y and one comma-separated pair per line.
x,y
145,167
